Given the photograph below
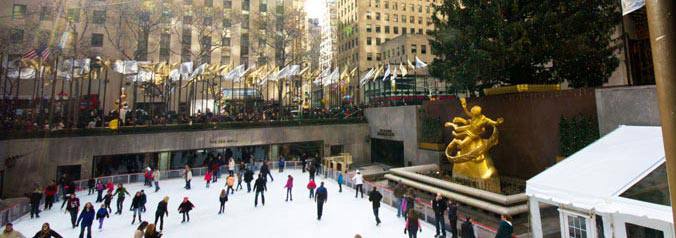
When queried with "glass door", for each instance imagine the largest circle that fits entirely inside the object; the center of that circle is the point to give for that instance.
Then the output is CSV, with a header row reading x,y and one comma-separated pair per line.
x,y
576,225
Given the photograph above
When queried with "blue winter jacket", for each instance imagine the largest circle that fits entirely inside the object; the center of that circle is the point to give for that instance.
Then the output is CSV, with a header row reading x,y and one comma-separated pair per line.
x,y
340,179
86,217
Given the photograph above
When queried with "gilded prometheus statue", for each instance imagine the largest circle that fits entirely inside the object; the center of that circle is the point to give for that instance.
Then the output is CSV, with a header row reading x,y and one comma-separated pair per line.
x,y
468,151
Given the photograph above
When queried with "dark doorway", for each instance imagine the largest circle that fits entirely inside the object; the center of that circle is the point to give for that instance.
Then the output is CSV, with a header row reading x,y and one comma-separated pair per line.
x,y
73,171
388,152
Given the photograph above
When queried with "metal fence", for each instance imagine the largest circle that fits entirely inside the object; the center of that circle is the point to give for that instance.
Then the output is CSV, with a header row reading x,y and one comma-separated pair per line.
x,y
17,208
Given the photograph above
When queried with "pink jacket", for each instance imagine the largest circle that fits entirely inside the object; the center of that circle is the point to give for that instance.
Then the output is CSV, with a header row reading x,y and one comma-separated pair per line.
x,y
289,183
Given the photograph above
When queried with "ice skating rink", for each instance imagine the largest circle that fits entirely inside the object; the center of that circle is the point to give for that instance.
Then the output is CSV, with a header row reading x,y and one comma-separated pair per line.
x,y
344,216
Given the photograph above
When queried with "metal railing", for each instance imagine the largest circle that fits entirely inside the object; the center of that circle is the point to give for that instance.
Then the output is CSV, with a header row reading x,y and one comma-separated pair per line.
x,y
17,208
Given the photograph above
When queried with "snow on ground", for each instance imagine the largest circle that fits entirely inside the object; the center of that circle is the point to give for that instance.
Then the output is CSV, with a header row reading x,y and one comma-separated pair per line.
x,y
344,216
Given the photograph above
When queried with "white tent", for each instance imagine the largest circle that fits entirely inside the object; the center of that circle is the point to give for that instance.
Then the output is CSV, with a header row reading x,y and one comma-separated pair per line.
x,y
589,184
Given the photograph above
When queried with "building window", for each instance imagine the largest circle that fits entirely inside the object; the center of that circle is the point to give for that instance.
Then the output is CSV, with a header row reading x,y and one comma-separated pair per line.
x,y
19,11
263,6
245,21
368,40
378,57
16,36
369,56
186,53
208,21
411,19
378,29
368,27
225,42
414,48
99,17
395,30
378,41
387,5
208,3
186,37
246,5
387,29
74,15
165,46
45,14
187,2
403,18
227,22
368,15
377,16
97,40
166,16
227,4
187,20
412,31
423,49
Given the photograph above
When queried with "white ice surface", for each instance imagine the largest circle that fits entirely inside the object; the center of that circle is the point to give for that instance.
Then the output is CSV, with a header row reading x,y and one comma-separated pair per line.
x,y
344,216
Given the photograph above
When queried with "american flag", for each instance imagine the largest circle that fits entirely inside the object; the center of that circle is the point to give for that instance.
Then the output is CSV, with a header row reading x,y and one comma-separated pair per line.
x,y
42,53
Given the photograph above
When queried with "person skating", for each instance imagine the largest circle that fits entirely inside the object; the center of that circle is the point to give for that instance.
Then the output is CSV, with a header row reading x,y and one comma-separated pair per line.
x,y
156,179
467,229
102,214
230,183
222,198
9,232
359,184
248,177
207,177
73,207
187,175
46,232
185,208
340,180
375,197
311,171
148,177
265,171
136,207
110,186
321,198
410,201
453,217
289,186
86,219
107,199
151,232
260,188
162,211
231,166
311,186
35,197
412,224
439,207
144,200
505,229
138,233
91,185
303,162
120,191
281,163
239,180
50,194
99,191
399,191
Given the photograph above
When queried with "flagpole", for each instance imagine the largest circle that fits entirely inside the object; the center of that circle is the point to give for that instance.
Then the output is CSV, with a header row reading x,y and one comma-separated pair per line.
x,y
180,86
105,90
51,98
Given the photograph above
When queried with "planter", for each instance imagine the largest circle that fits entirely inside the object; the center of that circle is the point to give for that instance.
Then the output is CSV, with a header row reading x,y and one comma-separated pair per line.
x,y
522,88
432,146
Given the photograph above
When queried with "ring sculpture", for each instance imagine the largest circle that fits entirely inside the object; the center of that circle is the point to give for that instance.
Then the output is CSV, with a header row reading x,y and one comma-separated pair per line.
x,y
468,151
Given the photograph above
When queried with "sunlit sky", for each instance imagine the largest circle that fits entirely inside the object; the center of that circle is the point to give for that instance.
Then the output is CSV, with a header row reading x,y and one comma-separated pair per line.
x,y
315,8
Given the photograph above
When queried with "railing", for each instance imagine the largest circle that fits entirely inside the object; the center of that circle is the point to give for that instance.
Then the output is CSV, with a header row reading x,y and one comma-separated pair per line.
x,y
17,208
9,134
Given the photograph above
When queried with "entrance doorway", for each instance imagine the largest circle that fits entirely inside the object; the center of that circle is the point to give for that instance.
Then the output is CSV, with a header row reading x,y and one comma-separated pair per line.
x,y
72,171
389,152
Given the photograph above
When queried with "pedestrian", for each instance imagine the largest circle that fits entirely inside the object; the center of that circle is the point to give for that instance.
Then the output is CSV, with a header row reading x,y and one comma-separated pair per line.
x,y
9,232
107,199
136,207
187,175
341,180
46,232
375,197
35,197
467,229
223,197
86,219
359,184
410,201
156,179
102,214
73,207
162,211
239,181
399,191
321,198
99,191
505,229
230,183
185,208
151,232
412,225
120,191
280,164
144,199
265,170
289,186
248,177
311,186
138,233
260,188
453,217
439,205
207,177
50,194
231,166
91,183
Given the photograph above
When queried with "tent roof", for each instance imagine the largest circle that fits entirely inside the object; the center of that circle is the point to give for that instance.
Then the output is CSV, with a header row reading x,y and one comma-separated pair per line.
x,y
594,177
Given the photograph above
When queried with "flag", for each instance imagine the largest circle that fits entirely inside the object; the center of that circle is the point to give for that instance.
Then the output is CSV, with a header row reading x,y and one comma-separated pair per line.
x,y
125,67
31,54
410,65
199,70
629,6
419,63
378,71
403,70
394,74
186,68
387,73
44,54
367,76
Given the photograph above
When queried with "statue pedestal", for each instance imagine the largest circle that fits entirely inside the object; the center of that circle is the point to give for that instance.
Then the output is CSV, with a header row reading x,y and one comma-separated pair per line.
x,y
489,184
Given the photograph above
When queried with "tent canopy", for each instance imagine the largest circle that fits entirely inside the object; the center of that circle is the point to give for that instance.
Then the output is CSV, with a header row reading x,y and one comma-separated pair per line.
x,y
594,177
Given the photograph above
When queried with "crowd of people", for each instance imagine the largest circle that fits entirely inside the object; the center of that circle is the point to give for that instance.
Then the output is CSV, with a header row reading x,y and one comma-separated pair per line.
x,y
65,188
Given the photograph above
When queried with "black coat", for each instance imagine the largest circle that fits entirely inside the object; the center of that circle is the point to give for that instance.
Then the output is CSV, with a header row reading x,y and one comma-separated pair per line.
x,y
505,230
248,176
375,197
35,197
136,202
453,211
50,234
265,169
144,199
223,199
467,230
185,206
260,186
162,208
107,199
439,206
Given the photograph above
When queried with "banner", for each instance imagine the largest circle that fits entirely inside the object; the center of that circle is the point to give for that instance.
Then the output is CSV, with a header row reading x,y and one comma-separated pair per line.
x,y
629,6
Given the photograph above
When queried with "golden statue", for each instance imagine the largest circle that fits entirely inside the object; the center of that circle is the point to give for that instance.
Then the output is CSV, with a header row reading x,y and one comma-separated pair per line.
x,y
471,158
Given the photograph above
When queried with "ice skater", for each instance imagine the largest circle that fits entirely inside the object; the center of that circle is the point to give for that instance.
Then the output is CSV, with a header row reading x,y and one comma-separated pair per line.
x,y
35,197
321,198
99,191
248,177
50,194
412,225
358,180
162,211
375,197
156,179
144,200
73,207
187,175
439,205
289,186
185,208
86,219
91,185
239,181
260,188
207,177
222,198
102,214
136,207
265,170
120,191
46,232
230,183
340,181
107,199
311,186
280,164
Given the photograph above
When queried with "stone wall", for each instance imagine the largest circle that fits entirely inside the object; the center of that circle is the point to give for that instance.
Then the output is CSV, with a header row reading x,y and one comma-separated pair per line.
x,y
636,106
42,156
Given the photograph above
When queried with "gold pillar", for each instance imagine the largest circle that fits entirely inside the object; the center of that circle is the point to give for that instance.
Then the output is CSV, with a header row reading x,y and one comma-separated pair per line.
x,y
662,26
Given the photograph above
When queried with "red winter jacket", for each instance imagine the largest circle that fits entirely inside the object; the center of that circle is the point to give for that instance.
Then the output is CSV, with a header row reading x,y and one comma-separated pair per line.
x,y
311,184
51,190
